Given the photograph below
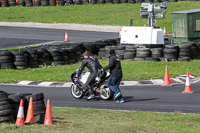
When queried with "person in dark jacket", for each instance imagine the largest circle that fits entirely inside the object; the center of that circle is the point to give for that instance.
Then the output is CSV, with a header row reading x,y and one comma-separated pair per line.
x,y
92,63
115,76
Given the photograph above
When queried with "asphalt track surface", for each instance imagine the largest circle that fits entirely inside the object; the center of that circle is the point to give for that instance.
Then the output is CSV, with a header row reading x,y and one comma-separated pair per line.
x,y
17,36
143,98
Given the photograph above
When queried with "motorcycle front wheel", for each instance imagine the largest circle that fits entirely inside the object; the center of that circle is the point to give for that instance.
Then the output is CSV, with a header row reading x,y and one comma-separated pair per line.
x,y
76,92
105,92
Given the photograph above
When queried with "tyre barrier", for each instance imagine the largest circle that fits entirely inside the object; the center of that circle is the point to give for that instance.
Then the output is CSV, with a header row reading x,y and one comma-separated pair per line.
x,y
69,53
11,105
6,111
30,3
183,52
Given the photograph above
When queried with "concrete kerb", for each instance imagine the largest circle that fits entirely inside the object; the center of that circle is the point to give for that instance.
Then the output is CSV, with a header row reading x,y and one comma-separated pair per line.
x,y
66,26
174,81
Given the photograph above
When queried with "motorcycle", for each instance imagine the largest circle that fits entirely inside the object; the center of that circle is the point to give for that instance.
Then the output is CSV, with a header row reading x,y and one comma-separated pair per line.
x,y
99,86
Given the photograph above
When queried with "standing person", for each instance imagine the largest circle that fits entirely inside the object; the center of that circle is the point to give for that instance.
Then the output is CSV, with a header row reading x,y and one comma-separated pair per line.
x,y
92,63
115,76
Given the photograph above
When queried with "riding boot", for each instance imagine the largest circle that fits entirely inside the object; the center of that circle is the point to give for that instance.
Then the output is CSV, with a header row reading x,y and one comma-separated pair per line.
x,y
91,95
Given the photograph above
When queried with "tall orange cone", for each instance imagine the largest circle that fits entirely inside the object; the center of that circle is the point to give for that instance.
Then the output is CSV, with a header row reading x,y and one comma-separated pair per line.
x,y
120,33
48,115
187,85
30,113
66,37
20,114
164,32
166,79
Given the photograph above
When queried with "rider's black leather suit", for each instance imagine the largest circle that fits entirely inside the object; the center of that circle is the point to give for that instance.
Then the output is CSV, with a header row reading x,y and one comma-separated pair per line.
x,y
93,65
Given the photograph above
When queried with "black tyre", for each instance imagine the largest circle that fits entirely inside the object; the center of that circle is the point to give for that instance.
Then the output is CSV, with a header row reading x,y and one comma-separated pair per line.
x,y
129,55
140,59
120,47
184,59
170,56
6,57
56,63
185,50
6,112
171,47
38,104
5,107
41,110
5,102
121,56
119,52
36,97
6,118
5,53
105,92
184,54
185,46
15,98
156,51
20,63
3,96
76,92
170,51
151,59
57,58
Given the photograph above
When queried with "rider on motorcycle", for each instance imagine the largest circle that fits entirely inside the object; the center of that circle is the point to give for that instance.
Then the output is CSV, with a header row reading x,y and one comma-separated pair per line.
x,y
92,63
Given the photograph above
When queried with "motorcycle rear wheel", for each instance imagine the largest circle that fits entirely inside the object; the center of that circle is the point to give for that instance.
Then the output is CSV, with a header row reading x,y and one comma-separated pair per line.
x,y
76,92
105,92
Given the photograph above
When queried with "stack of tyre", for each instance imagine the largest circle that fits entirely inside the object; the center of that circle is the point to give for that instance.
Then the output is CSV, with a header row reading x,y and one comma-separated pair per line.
x,y
69,2
4,3
20,59
21,2
195,51
6,60
171,53
33,58
15,99
156,54
39,107
6,111
43,56
107,50
29,3
102,53
12,3
130,53
120,51
143,54
185,52
45,2
65,53
56,57
37,2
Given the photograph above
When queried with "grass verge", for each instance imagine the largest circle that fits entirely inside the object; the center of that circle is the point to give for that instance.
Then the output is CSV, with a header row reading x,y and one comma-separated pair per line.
x,y
100,14
76,120
132,70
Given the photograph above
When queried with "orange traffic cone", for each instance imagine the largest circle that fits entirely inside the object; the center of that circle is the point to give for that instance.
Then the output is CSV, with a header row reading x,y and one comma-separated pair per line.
x,y
66,37
20,114
120,33
30,113
166,79
48,115
187,85
164,32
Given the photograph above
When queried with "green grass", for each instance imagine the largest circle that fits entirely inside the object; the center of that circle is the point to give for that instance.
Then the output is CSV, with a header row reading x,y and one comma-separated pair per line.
x,y
106,14
132,70
76,120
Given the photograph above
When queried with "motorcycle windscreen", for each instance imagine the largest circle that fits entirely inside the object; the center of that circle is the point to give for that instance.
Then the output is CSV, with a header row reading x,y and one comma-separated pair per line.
x,y
84,77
